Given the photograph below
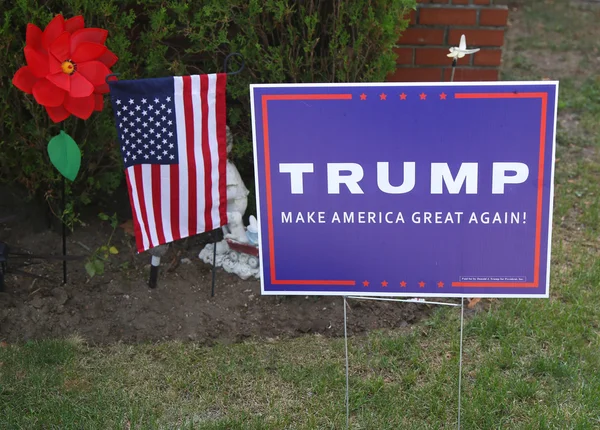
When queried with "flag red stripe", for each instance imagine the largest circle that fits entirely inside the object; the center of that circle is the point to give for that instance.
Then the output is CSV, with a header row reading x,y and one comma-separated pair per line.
x,y
157,202
137,230
206,154
139,185
189,141
221,114
174,181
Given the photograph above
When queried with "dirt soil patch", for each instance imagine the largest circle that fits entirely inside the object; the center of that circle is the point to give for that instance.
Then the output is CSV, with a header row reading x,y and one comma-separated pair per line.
x,y
118,306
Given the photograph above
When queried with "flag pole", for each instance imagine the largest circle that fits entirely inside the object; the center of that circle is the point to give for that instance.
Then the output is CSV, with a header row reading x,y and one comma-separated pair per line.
x,y
3,263
155,262
217,235
216,239
157,252
64,229
226,63
214,268
454,61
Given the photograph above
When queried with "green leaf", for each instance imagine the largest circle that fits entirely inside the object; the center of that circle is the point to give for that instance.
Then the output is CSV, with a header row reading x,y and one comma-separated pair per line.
x,y
90,268
99,266
65,155
114,221
113,250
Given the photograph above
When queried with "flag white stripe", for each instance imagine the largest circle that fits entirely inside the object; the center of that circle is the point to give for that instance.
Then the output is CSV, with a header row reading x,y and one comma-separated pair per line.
x,y
214,147
147,186
199,156
165,201
182,153
136,205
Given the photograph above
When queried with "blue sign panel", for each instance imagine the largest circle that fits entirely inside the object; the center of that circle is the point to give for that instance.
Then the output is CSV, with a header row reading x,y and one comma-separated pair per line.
x,y
397,189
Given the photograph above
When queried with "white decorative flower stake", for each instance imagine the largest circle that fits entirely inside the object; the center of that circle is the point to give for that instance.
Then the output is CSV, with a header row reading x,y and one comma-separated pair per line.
x,y
455,54
460,52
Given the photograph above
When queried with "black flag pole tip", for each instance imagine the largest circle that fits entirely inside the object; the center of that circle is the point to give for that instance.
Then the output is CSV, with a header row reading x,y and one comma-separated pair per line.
x,y
110,75
226,63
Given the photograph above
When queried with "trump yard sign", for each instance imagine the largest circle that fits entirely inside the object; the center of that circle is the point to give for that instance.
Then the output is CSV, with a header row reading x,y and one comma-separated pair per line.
x,y
396,189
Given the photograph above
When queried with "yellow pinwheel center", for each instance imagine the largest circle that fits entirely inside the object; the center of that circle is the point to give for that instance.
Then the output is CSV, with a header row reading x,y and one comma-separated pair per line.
x,y
68,67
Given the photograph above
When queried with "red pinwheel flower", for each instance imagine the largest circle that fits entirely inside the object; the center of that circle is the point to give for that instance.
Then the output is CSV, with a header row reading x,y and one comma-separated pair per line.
x,y
66,67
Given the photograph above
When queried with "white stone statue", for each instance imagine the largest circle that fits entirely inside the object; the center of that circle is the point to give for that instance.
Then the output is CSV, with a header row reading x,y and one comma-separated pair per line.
x,y
237,199
243,261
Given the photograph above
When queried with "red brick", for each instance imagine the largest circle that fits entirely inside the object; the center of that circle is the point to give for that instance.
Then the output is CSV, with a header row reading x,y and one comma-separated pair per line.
x,y
416,74
412,17
405,55
482,2
436,57
493,17
460,1
422,36
471,74
487,57
433,1
476,38
447,16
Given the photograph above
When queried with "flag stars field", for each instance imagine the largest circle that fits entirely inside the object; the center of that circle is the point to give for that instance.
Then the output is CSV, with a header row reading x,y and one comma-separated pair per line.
x,y
154,111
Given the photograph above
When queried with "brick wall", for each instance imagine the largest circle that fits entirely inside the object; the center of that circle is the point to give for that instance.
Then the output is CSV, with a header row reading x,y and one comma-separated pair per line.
x,y
437,25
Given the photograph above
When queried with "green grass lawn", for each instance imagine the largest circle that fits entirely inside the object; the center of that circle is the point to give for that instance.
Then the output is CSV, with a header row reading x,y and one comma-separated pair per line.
x,y
528,363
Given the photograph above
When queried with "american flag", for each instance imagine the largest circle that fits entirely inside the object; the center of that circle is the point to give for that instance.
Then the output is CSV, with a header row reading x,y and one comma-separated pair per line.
x,y
173,142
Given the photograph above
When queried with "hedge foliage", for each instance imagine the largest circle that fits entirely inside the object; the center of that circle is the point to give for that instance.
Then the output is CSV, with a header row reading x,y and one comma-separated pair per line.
x,y
281,41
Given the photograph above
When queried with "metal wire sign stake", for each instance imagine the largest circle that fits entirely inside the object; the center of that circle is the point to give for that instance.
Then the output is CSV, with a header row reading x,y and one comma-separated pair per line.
x,y
415,300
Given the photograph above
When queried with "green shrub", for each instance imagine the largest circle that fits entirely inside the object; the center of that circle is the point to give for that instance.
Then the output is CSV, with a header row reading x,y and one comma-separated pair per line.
x,y
281,41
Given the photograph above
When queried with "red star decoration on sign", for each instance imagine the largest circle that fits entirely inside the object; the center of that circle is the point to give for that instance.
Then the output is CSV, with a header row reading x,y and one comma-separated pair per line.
x,y
421,284
365,283
423,96
402,96
443,96
383,96
440,284
403,284
384,284
363,96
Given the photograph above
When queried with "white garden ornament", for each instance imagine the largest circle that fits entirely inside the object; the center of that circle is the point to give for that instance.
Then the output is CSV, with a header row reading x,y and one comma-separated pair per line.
x,y
462,50
238,251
